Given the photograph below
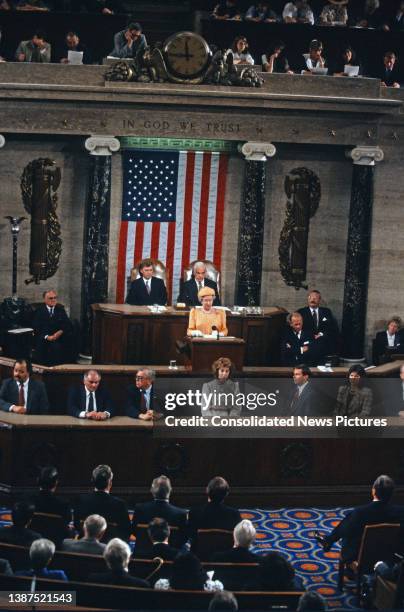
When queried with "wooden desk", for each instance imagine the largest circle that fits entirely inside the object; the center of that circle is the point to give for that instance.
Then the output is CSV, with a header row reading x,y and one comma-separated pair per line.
x,y
204,351
124,334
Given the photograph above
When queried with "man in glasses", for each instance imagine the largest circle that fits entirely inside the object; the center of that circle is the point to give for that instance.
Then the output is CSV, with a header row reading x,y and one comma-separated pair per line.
x,y
140,399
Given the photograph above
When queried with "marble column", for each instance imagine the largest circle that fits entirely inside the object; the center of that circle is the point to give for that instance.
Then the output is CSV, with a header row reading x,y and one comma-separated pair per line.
x,y
251,229
358,250
94,284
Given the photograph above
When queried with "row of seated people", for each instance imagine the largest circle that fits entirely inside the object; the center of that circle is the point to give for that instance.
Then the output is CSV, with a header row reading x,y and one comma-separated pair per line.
x,y
367,14
221,397
274,573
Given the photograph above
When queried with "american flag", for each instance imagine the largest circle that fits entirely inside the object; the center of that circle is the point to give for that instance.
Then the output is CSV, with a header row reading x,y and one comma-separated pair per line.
x,y
172,210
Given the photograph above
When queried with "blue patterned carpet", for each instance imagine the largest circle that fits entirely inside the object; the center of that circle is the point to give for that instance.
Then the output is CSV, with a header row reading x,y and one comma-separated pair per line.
x,y
291,532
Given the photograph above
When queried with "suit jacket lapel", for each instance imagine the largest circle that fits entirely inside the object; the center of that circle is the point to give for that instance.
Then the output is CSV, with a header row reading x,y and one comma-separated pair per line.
x,y
29,396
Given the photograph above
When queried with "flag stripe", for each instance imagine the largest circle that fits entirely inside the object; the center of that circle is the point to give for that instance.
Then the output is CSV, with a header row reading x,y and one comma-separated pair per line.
x,y
172,210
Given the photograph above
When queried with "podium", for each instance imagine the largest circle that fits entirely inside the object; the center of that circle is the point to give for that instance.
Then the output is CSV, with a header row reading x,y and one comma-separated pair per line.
x,y
202,352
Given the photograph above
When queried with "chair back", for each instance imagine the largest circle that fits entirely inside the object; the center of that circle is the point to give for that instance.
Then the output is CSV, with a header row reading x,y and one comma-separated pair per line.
x,y
52,526
379,543
18,556
210,541
211,272
159,271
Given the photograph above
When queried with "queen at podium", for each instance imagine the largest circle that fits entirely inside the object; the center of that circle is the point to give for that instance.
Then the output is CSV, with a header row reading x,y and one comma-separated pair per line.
x,y
207,318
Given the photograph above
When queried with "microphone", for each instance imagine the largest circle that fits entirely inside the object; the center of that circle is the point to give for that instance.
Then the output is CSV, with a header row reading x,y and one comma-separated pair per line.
x,y
214,329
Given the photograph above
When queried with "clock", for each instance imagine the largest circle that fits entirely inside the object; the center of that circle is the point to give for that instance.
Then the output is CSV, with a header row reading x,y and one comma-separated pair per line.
x,y
187,57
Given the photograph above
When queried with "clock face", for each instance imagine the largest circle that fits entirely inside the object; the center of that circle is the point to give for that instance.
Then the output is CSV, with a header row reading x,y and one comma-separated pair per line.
x,y
186,54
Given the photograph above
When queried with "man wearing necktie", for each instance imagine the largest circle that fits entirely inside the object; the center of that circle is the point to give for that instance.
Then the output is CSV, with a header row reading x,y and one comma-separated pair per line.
x,y
298,346
389,73
302,402
147,289
89,400
321,323
53,332
141,400
21,394
189,289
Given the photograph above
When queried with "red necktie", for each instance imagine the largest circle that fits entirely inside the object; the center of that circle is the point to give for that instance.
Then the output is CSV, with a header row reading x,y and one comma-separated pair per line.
x,y
21,398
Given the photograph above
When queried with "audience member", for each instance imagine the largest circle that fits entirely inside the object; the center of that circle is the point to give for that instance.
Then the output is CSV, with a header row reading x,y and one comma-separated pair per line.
x,y
130,43
354,399
347,57
214,514
147,289
89,400
334,13
46,500
351,528
220,394
244,537
22,394
19,533
239,51
32,5
227,9
141,400
159,534
103,7
223,600
207,320
34,50
5,568
53,331
388,342
261,11
275,573
303,401
299,346
298,11
370,16
320,322
101,502
314,58
117,555
41,553
187,573
274,60
388,72
73,43
394,395
5,5
396,21
160,506
189,289
94,528
311,601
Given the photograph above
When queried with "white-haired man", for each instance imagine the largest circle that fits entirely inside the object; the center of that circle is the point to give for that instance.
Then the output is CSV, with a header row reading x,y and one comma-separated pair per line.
x,y
190,288
94,528
244,537
117,555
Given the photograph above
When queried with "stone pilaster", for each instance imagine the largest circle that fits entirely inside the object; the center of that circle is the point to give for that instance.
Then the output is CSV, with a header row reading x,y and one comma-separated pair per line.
x,y
94,285
251,228
358,250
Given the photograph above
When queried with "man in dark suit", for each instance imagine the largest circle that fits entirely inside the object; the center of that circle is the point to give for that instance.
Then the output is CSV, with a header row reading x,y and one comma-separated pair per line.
x,y
388,342
147,289
244,536
389,71
46,499
214,514
22,394
117,555
320,322
160,506
190,288
394,395
53,332
298,346
101,502
159,533
94,528
303,400
379,510
19,533
89,400
141,400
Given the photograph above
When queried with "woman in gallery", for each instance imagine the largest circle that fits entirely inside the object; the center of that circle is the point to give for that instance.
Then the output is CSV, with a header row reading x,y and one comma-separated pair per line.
x,y
206,320
354,399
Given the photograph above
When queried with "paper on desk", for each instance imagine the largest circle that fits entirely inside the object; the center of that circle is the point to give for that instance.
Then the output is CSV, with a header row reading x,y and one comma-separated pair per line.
x,y
20,330
75,57
324,368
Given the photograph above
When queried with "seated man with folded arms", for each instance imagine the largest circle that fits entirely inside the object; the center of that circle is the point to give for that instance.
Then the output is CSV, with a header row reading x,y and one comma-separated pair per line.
x,y
89,400
299,347
190,288
22,394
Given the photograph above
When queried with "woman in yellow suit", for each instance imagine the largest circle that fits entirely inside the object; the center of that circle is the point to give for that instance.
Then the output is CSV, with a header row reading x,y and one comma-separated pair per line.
x,y
203,319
